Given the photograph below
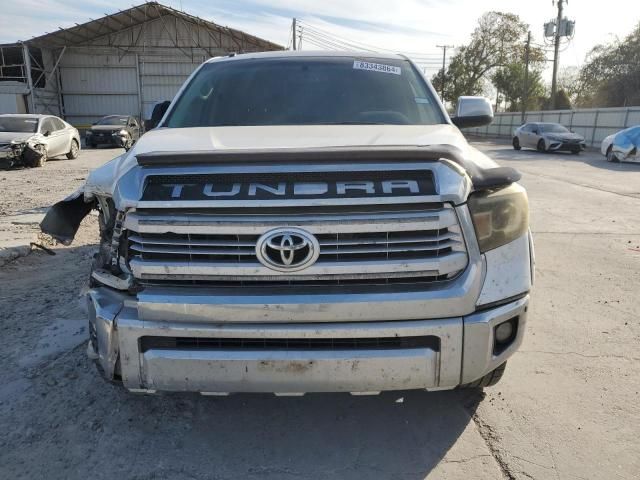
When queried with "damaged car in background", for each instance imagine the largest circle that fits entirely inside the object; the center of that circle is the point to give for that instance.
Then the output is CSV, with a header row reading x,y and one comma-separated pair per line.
x,y
29,140
623,146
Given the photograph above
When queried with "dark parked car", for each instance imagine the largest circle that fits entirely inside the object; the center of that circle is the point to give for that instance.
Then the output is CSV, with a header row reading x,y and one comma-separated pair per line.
x,y
118,130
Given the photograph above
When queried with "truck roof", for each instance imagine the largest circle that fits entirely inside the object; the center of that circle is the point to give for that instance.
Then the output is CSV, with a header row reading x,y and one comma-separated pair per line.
x,y
306,54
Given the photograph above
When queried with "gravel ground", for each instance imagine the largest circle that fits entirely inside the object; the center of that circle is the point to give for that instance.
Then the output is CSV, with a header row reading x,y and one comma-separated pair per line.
x,y
568,406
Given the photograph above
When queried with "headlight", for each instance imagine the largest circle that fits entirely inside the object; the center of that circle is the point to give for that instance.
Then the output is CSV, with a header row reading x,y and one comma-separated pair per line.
x,y
499,216
87,133
121,132
16,142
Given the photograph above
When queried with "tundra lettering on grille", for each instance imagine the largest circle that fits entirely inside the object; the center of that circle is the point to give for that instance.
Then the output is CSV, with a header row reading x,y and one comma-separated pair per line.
x,y
306,185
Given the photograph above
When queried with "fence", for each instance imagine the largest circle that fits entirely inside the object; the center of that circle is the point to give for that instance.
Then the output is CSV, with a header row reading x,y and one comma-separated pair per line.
x,y
594,124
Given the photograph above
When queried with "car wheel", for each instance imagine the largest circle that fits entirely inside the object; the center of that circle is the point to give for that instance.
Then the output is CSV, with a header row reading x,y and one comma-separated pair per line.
x,y
75,148
489,380
610,156
516,143
541,147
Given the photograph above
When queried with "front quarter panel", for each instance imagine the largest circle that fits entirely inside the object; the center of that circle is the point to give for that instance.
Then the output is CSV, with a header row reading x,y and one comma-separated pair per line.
x,y
508,271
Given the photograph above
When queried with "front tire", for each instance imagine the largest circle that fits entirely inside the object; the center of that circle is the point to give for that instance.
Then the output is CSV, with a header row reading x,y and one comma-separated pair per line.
x,y
611,157
516,143
541,147
489,380
73,153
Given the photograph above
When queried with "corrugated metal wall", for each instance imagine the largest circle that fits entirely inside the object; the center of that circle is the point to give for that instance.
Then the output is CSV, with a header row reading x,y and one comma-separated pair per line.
x,y
94,85
592,123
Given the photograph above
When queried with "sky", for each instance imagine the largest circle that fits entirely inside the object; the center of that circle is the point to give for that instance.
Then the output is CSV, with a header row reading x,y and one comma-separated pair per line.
x,y
416,26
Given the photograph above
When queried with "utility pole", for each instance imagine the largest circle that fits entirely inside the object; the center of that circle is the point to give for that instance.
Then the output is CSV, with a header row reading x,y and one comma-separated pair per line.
x,y
525,91
444,61
556,50
294,29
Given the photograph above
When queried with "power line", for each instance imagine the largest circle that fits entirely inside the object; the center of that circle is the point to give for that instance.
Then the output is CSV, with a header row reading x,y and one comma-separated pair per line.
x,y
349,44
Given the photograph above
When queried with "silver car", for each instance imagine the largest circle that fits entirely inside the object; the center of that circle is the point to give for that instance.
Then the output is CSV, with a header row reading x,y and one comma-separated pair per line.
x,y
27,139
547,137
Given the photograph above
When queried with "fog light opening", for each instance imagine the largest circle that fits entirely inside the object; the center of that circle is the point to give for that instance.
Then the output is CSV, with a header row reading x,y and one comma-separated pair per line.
x,y
504,334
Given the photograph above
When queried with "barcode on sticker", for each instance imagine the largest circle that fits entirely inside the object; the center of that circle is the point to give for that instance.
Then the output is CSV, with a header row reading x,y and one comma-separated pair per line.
x,y
376,67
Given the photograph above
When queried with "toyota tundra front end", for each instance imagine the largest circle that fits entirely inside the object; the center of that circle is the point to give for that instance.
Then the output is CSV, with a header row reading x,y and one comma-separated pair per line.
x,y
305,223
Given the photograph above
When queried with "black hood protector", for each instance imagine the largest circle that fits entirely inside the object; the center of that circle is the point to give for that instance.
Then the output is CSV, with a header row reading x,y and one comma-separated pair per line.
x,y
481,178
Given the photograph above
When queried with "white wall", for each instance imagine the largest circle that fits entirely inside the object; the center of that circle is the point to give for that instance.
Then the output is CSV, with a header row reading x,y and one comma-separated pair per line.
x,y
594,124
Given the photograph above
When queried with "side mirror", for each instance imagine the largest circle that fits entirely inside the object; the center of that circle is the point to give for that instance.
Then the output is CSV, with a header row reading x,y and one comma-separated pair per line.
x,y
535,130
158,112
473,112
47,133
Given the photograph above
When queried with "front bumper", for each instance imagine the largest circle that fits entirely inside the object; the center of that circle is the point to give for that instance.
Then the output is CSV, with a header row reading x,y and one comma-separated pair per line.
x,y
219,358
106,139
9,158
555,146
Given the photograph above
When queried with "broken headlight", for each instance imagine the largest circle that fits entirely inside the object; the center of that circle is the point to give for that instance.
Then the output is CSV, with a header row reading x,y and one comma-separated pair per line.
x,y
499,216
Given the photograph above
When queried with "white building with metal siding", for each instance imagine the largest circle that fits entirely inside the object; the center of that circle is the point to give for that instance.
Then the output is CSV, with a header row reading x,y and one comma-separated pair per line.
x,y
123,63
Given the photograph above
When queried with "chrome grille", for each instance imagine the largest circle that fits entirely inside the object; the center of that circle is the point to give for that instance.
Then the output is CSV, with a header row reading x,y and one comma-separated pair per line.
x,y
241,248
212,247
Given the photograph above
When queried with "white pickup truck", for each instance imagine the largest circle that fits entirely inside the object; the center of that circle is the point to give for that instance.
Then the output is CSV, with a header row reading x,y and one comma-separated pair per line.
x,y
305,222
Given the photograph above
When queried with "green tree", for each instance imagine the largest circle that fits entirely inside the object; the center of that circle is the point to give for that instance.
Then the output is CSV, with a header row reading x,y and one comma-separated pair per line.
x,y
509,81
497,41
611,74
569,81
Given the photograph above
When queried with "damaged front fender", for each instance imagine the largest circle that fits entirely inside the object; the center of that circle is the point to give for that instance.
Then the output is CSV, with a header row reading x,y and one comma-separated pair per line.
x,y
63,219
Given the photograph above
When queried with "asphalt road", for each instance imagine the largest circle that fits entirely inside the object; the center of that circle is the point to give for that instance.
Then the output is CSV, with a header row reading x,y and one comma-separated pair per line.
x,y
568,406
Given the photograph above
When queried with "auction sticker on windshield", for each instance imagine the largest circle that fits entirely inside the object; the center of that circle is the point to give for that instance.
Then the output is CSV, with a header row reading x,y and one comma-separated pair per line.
x,y
376,67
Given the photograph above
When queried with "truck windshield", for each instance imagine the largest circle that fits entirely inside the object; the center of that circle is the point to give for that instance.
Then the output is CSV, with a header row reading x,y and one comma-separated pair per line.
x,y
306,91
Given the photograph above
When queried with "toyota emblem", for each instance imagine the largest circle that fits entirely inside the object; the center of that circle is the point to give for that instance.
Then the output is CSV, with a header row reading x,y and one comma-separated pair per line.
x,y
287,249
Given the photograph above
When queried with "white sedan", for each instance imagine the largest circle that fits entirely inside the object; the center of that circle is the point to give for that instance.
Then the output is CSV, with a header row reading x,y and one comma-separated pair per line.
x,y
622,146
28,139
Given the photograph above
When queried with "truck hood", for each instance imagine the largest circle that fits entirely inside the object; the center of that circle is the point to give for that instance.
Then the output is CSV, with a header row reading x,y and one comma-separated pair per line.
x,y
103,179
63,219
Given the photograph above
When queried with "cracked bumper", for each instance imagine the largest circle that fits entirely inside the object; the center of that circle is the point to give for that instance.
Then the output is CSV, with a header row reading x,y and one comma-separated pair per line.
x,y
219,358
